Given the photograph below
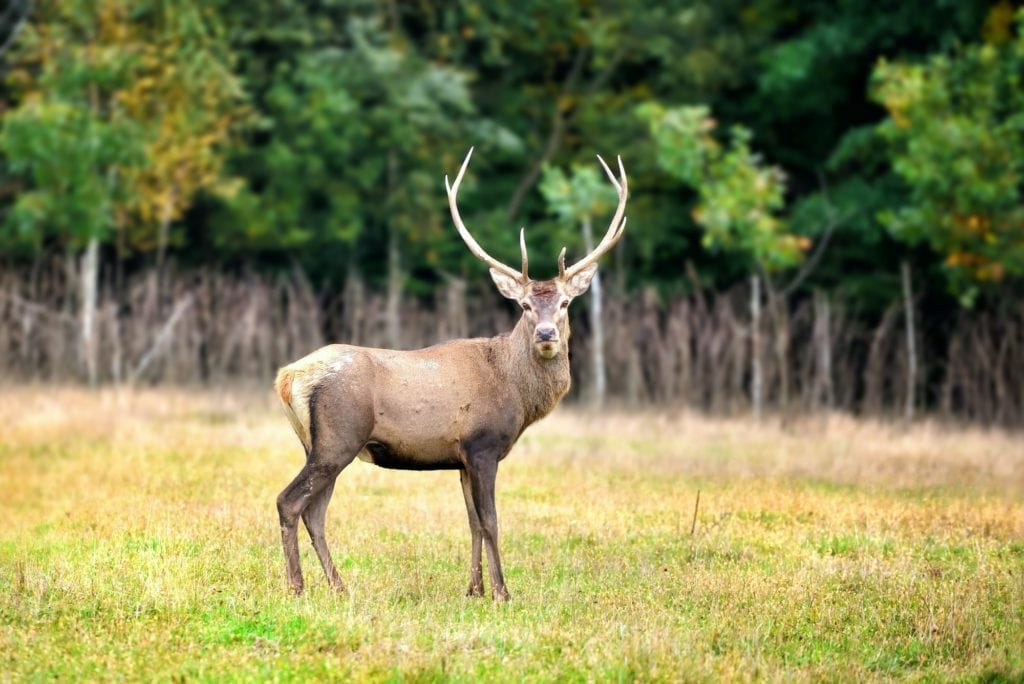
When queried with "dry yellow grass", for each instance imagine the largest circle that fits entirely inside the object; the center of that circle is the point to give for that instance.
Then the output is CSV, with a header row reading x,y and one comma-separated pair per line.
x,y
138,538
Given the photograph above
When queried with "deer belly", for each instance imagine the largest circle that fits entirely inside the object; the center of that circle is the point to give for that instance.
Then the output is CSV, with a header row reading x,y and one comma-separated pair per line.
x,y
389,456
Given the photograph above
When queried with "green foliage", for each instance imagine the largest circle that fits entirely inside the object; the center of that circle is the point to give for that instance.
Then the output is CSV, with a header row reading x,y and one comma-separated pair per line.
x,y
71,157
122,110
582,195
64,139
317,130
354,125
187,99
739,197
956,131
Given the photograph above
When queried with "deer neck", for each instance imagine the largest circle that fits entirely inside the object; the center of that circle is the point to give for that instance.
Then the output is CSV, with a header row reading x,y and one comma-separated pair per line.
x,y
540,383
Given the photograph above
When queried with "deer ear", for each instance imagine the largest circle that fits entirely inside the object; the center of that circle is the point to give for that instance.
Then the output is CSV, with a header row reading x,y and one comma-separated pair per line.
x,y
578,284
508,286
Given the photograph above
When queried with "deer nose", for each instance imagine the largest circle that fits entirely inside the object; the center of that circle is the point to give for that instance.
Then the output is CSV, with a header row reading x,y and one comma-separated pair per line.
x,y
546,333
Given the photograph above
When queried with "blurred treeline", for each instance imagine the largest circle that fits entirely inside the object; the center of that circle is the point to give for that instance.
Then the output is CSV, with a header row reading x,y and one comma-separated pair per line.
x,y
825,210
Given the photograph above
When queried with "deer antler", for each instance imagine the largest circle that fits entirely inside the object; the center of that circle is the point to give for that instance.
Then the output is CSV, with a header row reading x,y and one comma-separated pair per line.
x,y
615,228
473,245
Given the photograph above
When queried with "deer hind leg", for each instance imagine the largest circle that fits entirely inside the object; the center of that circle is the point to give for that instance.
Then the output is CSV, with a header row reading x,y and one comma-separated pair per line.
x,y
314,517
338,430
307,496
288,512
292,502
476,574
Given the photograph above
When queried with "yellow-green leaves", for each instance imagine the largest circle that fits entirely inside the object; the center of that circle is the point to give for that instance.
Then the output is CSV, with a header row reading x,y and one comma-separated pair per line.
x,y
955,131
739,196
124,111
584,193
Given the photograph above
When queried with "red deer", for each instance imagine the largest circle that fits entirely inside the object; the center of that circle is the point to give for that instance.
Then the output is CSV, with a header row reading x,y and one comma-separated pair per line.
x,y
460,405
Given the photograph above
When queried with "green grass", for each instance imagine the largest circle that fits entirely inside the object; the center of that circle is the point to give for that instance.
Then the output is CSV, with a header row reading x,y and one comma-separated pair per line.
x,y
139,540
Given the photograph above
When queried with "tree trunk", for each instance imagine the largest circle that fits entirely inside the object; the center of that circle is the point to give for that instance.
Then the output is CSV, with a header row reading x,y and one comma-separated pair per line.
x,y
454,321
70,276
117,350
823,389
633,376
908,316
353,299
598,390
90,283
780,327
876,375
392,310
756,371
163,238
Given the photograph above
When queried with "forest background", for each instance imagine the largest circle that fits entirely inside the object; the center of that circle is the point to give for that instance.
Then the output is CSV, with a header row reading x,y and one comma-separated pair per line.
x,y
825,212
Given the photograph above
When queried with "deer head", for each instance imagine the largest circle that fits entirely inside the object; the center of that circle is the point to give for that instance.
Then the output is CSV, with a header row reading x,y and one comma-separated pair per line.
x,y
545,303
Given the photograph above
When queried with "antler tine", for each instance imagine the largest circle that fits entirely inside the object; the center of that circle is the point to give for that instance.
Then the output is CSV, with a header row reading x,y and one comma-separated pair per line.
x,y
615,228
464,233
522,251
608,172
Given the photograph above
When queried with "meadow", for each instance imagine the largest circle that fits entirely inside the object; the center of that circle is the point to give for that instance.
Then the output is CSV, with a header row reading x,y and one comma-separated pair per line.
x,y
139,540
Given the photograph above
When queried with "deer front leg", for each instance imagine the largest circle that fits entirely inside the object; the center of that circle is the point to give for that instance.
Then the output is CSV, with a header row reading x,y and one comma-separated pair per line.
x,y
476,574
483,472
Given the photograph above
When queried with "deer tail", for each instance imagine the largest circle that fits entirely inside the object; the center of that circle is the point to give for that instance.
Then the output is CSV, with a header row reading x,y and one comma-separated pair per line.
x,y
283,385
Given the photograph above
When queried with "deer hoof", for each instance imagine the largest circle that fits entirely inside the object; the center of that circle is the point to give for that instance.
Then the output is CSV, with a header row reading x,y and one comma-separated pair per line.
x,y
475,590
501,594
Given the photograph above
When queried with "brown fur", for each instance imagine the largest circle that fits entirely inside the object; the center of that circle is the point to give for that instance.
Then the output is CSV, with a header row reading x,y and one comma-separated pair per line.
x,y
460,405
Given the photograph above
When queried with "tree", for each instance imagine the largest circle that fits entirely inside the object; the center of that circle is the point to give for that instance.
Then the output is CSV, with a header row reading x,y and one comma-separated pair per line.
x,y
356,129
123,111
955,130
738,203
187,100
69,141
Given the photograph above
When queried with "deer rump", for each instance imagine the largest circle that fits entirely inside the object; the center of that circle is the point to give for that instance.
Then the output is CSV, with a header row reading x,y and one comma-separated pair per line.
x,y
412,410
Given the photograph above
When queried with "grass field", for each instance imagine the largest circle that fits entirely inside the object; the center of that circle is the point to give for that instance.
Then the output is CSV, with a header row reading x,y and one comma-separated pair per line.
x,y
139,540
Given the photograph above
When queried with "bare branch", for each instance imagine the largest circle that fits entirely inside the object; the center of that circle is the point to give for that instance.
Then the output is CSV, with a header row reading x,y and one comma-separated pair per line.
x,y
19,24
163,338
39,309
811,263
559,121
834,222
554,141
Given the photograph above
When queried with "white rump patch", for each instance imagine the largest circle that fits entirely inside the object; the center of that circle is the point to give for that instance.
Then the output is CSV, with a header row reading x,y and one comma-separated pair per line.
x,y
301,391
306,374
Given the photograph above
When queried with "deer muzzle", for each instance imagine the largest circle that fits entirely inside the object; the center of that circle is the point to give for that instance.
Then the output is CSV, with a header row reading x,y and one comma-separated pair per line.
x,y
546,340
